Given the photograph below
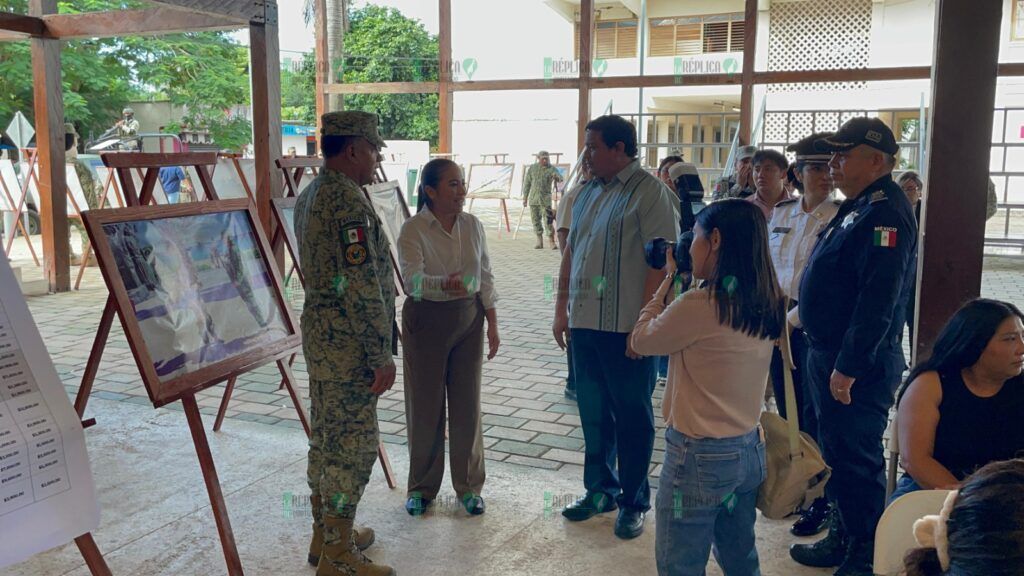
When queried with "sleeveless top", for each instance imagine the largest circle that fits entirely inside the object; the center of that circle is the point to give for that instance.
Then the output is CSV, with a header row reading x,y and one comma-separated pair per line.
x,y
974,431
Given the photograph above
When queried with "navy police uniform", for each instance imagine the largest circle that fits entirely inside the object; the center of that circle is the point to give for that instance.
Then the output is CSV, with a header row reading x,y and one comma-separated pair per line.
x,y
852,306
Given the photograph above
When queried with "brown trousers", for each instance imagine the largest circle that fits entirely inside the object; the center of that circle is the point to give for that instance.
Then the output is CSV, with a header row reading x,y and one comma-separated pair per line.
x,y
443,348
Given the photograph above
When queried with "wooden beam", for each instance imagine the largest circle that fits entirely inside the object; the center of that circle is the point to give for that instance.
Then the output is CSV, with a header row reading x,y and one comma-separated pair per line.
x,y
843,75
963,86
538,84
1011,69
22,26
49,117
241,11
586,58
265,66
747,77
445,100
133,23
384,88
323,67
664,80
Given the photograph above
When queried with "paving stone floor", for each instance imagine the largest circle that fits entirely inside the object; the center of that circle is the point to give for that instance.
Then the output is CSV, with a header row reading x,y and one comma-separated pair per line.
x,y
527,420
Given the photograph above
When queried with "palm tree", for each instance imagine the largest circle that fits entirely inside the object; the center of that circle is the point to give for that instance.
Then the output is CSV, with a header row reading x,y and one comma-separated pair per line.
x,y
337,24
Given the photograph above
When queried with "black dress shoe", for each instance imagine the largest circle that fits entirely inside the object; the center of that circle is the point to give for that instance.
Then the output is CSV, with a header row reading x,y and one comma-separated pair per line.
x,y
587,507
828,552
474,504
570,393
630,523
813,520
416,505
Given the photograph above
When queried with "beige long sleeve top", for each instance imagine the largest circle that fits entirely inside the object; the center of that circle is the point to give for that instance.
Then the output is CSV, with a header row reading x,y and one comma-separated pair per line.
x,y
716,375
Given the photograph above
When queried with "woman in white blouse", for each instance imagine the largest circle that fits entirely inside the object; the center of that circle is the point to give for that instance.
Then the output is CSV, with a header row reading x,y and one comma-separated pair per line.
x,y
447,273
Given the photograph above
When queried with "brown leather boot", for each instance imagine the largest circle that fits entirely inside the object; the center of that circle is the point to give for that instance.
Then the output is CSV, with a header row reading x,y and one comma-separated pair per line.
x,y
540,242
363,536
342,558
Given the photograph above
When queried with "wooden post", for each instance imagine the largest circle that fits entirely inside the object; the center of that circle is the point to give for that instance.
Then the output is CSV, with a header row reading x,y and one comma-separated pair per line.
x,y
586,60
953,218
49,117
265,64
747,88
324,70
445,105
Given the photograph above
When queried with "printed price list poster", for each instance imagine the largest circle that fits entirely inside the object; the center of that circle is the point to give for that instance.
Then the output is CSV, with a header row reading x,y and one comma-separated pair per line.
x,y
32,465
47,497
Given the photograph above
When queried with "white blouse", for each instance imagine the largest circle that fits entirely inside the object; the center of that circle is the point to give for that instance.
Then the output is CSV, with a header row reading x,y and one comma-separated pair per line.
x,y
428,254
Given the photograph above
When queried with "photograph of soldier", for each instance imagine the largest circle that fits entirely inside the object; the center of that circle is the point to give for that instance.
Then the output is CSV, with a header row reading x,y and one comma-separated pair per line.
x,y
187,279
537,186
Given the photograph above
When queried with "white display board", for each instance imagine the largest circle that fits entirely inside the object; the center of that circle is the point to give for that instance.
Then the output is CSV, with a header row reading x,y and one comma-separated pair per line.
x,y
73,184
47,496
10,183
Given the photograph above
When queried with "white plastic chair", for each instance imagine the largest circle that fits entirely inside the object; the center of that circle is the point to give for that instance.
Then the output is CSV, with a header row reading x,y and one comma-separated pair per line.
x,y
894,536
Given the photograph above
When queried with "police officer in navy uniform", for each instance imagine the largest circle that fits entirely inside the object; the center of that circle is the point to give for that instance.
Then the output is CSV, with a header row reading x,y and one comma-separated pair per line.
x,y
852,305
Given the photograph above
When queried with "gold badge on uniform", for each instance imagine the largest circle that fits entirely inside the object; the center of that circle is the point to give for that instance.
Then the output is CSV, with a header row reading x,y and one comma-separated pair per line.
x,y
353,238
355,254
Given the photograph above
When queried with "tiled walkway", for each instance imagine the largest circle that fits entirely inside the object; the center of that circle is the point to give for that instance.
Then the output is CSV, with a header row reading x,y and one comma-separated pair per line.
x,y
527,420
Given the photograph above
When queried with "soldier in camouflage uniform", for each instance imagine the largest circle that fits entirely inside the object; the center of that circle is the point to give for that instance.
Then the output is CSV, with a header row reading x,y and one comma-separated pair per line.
x,y
740,183
347,337
537,193
88,185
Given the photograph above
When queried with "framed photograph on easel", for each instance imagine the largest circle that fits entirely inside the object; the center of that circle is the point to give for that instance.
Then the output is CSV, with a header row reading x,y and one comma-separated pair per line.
x,y
389,204
195,290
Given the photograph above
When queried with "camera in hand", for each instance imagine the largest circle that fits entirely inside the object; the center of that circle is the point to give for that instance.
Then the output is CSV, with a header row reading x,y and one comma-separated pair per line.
x,y
691,191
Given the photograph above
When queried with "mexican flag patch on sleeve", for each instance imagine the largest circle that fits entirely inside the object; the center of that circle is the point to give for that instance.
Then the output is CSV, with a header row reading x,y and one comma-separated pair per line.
x,y
354,235
885,237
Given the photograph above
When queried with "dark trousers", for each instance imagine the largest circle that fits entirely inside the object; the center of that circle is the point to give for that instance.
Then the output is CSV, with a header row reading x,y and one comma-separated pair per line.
x,y
570,379
851,437
805,409
613,393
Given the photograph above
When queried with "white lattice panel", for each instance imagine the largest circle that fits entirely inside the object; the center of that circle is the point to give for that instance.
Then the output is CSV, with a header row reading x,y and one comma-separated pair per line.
x,y
819,35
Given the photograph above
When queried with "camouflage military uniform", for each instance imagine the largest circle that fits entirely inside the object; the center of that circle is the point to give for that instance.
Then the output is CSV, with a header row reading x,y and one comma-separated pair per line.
x,y
86,180
728,188
347,325
537,189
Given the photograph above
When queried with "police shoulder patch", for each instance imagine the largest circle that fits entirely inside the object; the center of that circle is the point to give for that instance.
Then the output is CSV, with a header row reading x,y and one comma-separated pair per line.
x,y
878,196
355,254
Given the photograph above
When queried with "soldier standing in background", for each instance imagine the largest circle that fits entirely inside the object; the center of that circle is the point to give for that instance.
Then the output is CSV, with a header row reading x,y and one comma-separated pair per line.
x,y
537,193
88,186
347,337
740,183
128,129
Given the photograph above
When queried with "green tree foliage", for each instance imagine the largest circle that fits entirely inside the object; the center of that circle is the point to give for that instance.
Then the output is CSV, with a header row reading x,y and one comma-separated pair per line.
x,y
382,45
205,72
298,91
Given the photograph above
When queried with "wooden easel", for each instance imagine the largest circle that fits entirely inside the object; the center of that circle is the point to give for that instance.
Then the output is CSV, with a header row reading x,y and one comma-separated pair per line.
x,y
86,544
123,163
16,209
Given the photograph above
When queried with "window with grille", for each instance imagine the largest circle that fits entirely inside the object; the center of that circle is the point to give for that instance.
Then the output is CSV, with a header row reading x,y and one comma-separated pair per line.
x,y
694,35
1017,28
612,39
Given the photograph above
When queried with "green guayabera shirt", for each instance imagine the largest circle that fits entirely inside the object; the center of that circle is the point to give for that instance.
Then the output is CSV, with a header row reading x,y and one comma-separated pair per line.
x,y
349,307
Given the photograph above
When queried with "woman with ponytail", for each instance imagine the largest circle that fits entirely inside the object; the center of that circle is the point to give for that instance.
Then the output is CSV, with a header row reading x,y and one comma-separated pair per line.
x,y
442,253
980,530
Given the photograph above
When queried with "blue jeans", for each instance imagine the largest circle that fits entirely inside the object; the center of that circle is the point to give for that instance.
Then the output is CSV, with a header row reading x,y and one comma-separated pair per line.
x,y
172,197
662,366
905,485
706,498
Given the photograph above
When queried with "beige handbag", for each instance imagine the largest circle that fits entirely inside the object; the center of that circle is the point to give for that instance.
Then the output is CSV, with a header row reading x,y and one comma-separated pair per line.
x,y
796,471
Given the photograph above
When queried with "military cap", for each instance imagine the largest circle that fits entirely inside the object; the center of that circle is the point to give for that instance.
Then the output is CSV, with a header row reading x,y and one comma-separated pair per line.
x,y
861,130
806,151
352,123
543,154
69,128
744,152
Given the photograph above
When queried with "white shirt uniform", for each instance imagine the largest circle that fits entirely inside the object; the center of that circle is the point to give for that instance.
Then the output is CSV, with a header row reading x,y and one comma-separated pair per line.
x,y
792,233
427,254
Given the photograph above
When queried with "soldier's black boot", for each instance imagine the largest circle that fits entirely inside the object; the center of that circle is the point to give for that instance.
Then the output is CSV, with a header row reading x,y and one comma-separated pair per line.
x,y
828,552
859,559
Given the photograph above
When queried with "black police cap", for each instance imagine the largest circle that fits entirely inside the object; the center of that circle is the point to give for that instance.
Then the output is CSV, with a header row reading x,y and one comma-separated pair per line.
x,y
806,151
861,130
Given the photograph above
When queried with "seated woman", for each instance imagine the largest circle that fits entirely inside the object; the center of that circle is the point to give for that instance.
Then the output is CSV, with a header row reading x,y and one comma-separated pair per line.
x,y
964,406
980,530
719,338
443,256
